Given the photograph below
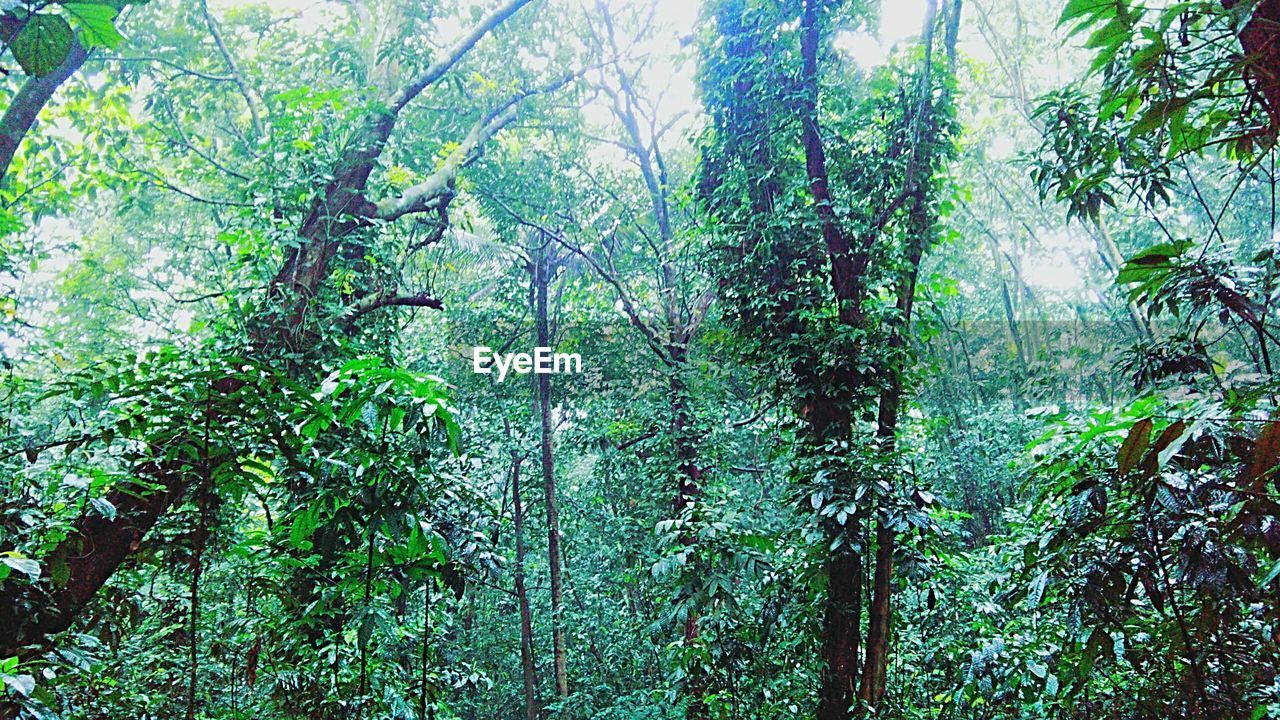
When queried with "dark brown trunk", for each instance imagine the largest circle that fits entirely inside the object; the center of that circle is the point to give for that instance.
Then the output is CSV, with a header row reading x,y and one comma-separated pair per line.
x,y
1260,40
98,545
341,209
94,549
840,632
848,265
875,669
527,666
920,229
842,619
876,666
542,267
828,418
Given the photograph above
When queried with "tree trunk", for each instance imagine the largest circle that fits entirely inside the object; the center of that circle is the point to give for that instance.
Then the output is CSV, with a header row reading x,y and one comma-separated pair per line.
x,y
30,100
1111,258
93,550
875,669
687,492
876,666
1260,40
841,631
1006,299
920,229
527,666
542,267
828,417
425,705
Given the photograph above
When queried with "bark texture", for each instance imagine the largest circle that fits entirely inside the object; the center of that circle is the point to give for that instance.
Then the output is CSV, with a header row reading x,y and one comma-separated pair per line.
x,y
829,417
96,546
1260,40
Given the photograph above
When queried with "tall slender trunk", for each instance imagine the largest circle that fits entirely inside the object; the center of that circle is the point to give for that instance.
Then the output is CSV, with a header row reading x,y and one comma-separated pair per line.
x,y
687,492
829,418
193,671
1113,260
542,266
527,666
426,706
875,668
1006,299
920,229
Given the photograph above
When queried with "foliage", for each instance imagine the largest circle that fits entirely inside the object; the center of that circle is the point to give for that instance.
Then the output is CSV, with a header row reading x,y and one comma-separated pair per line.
x,y
981,327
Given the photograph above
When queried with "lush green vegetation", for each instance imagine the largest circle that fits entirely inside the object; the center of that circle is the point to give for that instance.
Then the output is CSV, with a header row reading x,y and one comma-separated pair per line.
x,y
927,365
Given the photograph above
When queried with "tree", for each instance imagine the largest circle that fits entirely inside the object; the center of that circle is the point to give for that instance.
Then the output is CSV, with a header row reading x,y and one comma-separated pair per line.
x,y
816,323
909,387
338,210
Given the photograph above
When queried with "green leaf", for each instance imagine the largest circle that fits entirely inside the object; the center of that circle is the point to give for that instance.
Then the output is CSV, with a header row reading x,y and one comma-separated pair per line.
x,y
1158,113
21,684
1151,263
303,525
96,22
760,542
1271,575
1092,9
43,44
23,565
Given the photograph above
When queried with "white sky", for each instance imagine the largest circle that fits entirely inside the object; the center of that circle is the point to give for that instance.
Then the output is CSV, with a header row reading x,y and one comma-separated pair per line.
x,y
901,20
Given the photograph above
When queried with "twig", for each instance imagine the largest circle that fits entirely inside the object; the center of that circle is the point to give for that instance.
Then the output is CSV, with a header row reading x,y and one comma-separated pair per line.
x,y
231,65
168,63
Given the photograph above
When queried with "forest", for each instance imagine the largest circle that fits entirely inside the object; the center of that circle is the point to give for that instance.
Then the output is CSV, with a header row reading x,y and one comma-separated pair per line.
x,y
639,359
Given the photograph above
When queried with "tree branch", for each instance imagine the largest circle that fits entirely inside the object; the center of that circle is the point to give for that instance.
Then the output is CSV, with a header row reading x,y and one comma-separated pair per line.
x,y
455,53
182,70
438,188
30,100
231,65
161,182
628,306
389,299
